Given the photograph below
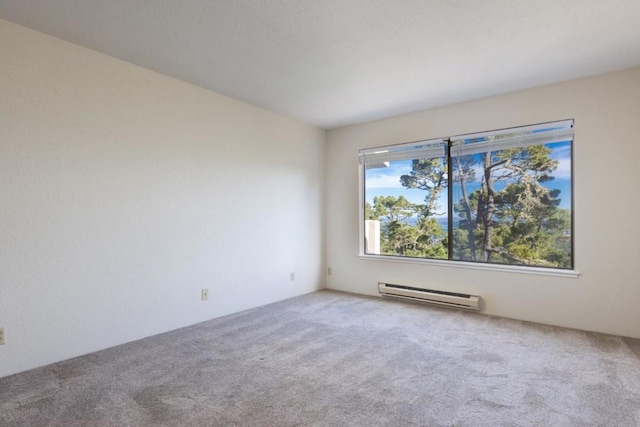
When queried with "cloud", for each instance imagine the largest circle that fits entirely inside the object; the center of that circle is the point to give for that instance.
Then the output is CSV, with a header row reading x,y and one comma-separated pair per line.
x,y
562,154
562,150
388,177
564,169
384,181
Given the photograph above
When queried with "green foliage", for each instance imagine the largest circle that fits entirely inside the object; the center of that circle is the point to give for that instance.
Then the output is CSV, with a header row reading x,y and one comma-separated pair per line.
x,y
510,218
394,210
398,236
429,175
519,224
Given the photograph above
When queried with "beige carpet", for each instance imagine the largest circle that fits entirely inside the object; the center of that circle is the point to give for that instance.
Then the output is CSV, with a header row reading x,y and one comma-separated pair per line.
x,y
335,359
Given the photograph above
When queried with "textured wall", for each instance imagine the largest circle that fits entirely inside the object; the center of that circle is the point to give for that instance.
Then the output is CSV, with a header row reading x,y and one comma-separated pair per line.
x,y
604,298
124,192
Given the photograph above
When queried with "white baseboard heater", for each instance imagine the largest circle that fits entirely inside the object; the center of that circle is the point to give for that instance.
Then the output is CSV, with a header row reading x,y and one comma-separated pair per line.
x,y
450,299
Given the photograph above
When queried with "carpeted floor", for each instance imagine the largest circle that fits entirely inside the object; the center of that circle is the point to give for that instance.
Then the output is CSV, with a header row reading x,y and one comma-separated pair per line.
x,y
336,359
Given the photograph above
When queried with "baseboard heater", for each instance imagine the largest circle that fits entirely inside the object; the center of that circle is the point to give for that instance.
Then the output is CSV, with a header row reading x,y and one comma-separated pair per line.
x,y
450,299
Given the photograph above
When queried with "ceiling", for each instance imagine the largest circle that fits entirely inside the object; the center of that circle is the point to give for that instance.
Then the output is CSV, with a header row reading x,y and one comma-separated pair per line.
x,y
332,63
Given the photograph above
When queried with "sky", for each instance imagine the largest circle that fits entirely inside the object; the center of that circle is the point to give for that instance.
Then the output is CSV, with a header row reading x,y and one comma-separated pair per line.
x,y
386,181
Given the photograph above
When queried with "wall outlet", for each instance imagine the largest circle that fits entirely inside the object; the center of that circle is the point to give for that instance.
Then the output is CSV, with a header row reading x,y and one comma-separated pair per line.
x,y
2,336
292,276
204,295
329,272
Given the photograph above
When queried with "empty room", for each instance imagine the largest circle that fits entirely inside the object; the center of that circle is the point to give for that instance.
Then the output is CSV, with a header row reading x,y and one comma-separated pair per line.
x,y
319,213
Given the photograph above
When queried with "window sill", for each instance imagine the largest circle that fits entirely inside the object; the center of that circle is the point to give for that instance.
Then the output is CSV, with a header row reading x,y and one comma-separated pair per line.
x,y
476,266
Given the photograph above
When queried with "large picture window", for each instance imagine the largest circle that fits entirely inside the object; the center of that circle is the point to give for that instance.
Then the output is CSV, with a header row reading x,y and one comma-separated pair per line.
x,y
499,197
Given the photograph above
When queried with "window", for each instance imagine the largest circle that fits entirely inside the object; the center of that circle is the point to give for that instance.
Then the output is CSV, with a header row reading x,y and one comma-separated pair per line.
x,y
499,197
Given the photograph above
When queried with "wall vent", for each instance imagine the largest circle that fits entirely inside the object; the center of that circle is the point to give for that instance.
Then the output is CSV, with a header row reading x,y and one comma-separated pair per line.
x,y
449,299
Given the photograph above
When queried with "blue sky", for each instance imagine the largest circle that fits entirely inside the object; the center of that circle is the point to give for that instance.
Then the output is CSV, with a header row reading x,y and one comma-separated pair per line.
x,y
386,181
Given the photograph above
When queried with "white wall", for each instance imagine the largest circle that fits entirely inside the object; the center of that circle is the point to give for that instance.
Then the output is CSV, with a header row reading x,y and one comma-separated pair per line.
x,y
123,192
605,297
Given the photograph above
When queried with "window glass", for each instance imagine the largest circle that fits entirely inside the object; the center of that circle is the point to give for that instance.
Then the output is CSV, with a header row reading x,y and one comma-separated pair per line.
x,y
406,208
514,206
501,197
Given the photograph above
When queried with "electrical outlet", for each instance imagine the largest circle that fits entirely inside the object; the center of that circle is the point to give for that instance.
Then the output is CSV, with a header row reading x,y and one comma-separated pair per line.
x,y
329,272
205,294
2,336
292,276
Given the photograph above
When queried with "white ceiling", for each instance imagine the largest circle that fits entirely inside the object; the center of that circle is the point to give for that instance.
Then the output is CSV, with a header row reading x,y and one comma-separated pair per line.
x,y
336,62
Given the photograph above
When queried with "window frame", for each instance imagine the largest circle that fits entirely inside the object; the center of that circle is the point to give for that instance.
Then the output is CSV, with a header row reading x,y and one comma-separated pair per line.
x,y
457,263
